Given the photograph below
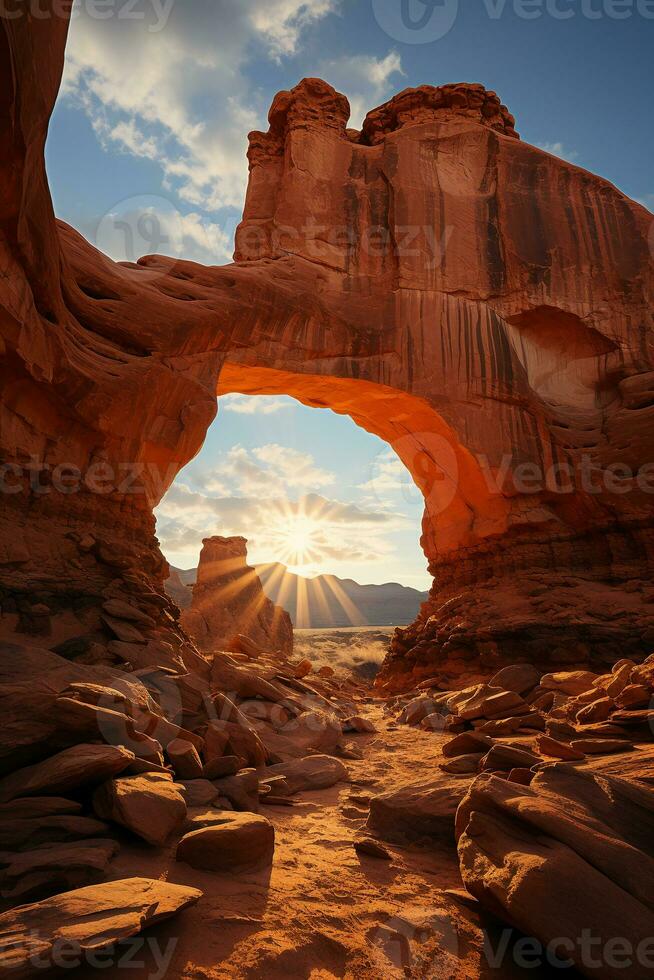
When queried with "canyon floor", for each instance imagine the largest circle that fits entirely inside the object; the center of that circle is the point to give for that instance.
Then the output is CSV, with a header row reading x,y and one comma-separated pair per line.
x,y
324,911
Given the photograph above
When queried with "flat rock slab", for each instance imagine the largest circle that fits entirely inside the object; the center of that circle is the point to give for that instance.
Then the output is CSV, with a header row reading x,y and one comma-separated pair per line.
x,y
86,919
72,769
22,833
54,867
424,808
312,772
230,842
151,806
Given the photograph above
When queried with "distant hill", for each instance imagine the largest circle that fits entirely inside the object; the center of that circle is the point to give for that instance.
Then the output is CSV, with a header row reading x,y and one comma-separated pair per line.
x,y
322,602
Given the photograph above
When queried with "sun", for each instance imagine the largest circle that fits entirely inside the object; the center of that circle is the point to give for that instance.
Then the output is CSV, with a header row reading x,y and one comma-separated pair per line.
x,y
297,537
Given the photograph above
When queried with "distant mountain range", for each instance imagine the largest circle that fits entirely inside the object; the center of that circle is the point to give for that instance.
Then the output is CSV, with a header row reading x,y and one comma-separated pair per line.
x,y
322,602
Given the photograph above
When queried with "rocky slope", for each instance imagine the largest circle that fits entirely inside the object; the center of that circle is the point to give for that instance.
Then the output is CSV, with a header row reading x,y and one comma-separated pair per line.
x,y
483,306
228,599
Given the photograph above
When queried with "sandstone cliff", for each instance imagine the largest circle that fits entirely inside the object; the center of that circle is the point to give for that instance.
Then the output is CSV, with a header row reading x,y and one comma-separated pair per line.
x,y
483,306
228,599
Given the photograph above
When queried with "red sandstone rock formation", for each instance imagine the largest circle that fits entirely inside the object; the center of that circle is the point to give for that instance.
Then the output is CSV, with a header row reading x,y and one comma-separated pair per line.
x,y
483,306
228,599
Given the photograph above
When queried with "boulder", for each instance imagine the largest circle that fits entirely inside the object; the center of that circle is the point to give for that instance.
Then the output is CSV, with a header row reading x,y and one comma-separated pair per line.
x,y
557,750
151,806
314,731
418,708
242,790
370,847
54,867
498,729
232,738
311,773
572,682
29,830
88,919
519,678
303,669
184,759
199,792
503,758
226,765
599,710
70,770
634,696
436,722
569,855
113,727
31,680
234,842
463,764
426,807
466,743
600,746
120,609
357,723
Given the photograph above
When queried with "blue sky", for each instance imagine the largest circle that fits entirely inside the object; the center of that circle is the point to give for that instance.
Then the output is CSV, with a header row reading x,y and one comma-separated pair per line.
x,y
157,100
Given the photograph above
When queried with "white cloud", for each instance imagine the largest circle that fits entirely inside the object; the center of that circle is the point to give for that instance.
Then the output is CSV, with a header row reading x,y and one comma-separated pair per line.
x,y
151,225
254,404
331,530
295,469
282,21
367,81
559,150
268,471
179,96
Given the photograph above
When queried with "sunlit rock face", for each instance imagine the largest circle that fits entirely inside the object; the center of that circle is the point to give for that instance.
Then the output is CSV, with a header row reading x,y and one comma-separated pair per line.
x,y
483,306
228,600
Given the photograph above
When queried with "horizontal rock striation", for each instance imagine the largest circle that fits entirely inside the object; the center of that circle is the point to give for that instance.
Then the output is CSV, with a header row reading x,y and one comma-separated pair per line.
x,y
483,306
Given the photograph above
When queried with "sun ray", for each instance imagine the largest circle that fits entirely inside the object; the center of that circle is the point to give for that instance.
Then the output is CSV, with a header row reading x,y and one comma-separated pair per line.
x,y
353,614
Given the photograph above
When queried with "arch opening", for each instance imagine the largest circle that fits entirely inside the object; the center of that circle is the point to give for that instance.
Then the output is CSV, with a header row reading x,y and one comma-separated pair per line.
x,y
331,513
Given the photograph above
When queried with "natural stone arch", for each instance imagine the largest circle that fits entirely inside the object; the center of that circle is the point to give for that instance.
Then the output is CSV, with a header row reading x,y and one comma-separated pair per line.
x,y
460,505
517,307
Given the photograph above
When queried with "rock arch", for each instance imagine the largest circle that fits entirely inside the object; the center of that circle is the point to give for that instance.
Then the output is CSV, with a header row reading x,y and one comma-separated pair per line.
x,y
432,275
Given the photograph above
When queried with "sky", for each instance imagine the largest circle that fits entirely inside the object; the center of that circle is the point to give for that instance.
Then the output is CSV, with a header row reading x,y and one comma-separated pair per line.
x,y
146,153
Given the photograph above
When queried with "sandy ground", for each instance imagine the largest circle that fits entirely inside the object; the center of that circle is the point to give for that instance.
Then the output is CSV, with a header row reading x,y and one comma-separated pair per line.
x,y
323,911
